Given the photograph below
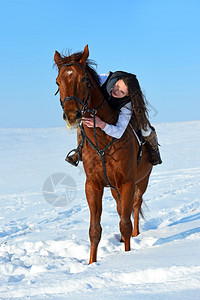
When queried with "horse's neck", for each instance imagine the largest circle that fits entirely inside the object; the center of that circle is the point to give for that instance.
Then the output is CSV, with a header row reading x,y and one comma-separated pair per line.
x,y
104,111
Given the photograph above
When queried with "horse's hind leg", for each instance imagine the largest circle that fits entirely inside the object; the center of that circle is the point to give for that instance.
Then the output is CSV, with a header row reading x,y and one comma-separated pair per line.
x,y
94,198
139,191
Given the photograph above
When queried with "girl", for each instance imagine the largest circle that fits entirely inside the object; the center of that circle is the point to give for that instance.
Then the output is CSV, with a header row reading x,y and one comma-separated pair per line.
x,y
123,93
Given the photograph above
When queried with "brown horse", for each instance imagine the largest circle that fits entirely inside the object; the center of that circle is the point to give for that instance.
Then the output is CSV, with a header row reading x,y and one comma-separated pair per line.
x,y
106,162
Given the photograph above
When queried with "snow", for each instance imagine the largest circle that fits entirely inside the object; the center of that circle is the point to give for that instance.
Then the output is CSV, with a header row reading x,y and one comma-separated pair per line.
x,y
44,248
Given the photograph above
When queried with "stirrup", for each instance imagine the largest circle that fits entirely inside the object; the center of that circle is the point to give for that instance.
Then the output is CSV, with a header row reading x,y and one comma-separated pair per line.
x,y
69,156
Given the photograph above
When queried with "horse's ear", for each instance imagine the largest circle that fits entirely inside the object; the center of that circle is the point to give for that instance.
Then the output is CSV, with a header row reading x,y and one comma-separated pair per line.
x,y
57,57
84,56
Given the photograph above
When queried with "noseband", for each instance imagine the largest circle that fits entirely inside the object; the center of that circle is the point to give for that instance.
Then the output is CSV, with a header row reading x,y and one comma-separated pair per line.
x,y
78,101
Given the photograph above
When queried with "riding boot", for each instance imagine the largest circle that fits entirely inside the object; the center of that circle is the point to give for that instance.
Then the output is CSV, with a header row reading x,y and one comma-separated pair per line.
x,y
152,143
77,156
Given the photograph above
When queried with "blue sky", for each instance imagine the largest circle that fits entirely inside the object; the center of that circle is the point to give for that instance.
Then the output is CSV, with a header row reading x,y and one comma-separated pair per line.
x,y
157,40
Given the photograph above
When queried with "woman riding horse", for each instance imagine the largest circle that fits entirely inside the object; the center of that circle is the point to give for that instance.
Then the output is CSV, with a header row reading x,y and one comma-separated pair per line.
x,y
123,93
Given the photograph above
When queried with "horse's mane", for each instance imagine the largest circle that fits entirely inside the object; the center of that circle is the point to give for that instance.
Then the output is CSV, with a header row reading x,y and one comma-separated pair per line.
x,y
75,57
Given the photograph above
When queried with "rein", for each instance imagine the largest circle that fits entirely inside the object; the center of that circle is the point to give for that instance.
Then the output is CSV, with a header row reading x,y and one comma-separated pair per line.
x,y
100,152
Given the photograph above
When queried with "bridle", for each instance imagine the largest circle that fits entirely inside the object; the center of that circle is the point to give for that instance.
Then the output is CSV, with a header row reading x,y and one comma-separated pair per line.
x,y
84,102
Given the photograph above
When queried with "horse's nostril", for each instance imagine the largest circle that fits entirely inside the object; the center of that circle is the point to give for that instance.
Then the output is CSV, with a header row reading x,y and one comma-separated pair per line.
x,y
64,116
78,114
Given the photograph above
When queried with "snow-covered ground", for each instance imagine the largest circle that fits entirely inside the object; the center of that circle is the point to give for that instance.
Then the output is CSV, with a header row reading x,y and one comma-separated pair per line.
x,y
44,249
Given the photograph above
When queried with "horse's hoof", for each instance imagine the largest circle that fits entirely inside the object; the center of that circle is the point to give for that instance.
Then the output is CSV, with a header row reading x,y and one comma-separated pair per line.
x,y
122,239
134,234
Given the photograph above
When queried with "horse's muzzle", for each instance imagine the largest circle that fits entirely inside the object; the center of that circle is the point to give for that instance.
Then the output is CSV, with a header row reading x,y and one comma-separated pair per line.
x,y
72,120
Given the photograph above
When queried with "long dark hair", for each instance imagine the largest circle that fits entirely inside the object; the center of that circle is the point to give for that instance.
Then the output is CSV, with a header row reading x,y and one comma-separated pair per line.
x,y
139,102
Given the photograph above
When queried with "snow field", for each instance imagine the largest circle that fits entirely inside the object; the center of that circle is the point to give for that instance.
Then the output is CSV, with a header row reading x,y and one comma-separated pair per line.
x,y
44,250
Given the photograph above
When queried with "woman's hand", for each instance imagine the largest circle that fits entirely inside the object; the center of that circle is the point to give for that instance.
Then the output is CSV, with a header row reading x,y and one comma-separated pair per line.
x,y
89,122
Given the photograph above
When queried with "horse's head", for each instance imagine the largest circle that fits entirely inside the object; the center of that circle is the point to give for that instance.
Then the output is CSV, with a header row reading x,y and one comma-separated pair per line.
x,y
73,86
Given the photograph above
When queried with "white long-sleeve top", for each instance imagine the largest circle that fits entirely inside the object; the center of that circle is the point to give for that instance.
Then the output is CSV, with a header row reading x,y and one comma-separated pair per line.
x,y
119,128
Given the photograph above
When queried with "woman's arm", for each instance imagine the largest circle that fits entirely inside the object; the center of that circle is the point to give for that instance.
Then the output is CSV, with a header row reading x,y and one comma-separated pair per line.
x,y
113,130
119,128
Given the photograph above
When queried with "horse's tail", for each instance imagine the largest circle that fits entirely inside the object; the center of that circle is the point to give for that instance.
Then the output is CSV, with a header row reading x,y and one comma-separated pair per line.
x,y
141,211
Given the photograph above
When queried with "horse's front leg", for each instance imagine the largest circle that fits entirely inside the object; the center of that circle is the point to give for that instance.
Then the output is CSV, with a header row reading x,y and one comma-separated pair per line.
x,y
94,198
126,205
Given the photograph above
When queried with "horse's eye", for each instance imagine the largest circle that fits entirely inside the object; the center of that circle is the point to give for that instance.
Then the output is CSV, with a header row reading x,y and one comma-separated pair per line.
x,y
83,79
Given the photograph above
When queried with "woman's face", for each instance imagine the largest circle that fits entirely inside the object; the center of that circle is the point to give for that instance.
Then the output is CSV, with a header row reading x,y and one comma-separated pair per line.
x,y
120,89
